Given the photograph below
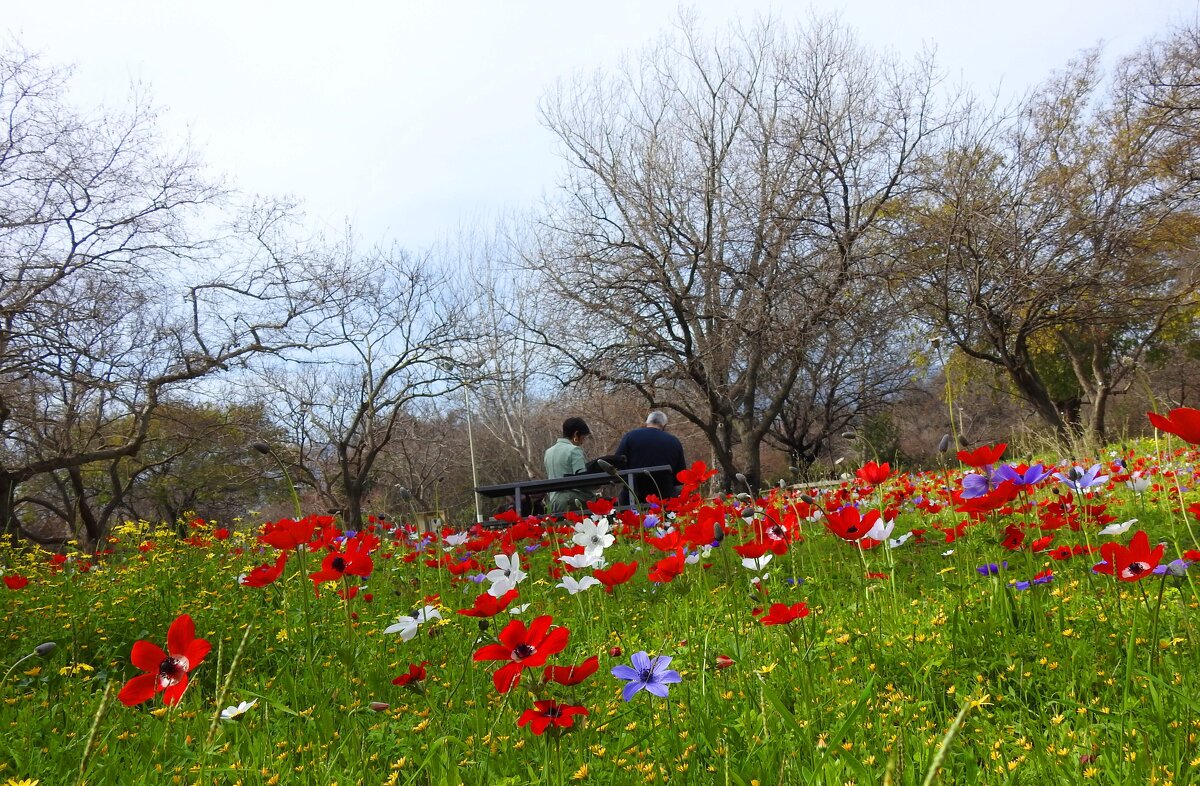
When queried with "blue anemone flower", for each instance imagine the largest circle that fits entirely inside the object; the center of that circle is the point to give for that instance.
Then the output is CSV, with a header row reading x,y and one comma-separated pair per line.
x,y
649,674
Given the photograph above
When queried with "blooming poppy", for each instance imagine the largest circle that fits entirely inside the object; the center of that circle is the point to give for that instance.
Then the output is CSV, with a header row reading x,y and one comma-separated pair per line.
x,y
288,533
15,581
488,605
414,675
523,648
693,476
983,456
724,661
353,560
165,672
666,569
265,574
571,675
550,713
1183,422
782,614
848,524
1014,536
617,573
1130,563
874,474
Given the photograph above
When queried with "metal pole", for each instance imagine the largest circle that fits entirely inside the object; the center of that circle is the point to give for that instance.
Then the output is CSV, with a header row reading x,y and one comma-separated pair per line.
x,y
471,444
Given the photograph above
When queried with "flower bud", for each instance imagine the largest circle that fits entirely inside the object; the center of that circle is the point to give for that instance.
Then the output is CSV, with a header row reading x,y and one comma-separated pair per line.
x,y
615,652
45,648
944,445
379,706
483,626
807,499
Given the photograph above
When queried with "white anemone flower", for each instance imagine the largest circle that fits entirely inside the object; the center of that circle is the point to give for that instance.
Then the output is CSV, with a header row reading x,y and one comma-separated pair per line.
x,y
592,535
588,559
518,609
1138,484
572,586
457,539
692,558
407,626
229,713
882,529
756,564
947,552
896,543
506,575
1118,529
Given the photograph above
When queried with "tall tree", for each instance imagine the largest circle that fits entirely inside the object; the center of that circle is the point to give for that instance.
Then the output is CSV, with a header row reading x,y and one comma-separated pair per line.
x,y
1060,231
724,201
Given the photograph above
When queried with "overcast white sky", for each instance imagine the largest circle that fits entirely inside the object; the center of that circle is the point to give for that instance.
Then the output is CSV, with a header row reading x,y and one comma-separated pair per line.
x,y
408,118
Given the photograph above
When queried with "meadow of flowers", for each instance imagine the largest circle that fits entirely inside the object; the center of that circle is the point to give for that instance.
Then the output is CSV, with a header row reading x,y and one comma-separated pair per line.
x,y
998,621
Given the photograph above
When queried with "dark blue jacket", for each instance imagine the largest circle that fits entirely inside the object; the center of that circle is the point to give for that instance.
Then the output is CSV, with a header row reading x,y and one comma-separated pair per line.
x,y
650,447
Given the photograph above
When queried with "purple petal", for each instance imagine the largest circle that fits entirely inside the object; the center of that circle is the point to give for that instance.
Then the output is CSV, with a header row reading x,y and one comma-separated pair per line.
x,y
657,688
670,676
631,689
661,662
641,661
624,672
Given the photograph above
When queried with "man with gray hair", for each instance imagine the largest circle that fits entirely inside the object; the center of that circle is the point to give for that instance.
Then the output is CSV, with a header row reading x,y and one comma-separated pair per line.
x,y
652,446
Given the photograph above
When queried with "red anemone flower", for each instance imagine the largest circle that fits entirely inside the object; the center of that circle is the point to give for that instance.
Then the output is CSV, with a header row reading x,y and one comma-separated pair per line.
x,y
1133,562
1183,422
1014,536
983,456
724,661
487,605
848,524
16,581
287,533
600,507
782,614
549,713
617,573
265,574
354,560
571,675
523,649
667,568
415,673
165,672
874,474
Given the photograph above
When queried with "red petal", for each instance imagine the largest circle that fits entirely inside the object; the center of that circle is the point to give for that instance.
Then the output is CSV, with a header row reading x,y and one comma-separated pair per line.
x,y
147,657
506,677
493,652
138,689
513,635
173,694
180,634
196,652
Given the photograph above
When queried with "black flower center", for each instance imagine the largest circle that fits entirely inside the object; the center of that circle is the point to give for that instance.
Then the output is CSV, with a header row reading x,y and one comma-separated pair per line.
x,y
339,564
172,670
552,712
1136,569
646,675
523,651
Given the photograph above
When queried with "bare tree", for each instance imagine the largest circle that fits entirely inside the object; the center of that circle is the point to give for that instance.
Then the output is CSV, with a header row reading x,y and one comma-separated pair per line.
x,y
725,202
109,296
397,338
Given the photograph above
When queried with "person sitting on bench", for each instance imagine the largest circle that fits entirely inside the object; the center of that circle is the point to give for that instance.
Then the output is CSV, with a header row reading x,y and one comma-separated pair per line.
x,y
651,446
563,458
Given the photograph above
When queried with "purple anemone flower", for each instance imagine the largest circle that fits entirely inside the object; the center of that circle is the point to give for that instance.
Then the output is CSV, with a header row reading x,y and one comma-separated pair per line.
x,y
991,569
1032,476
1078,480
649,674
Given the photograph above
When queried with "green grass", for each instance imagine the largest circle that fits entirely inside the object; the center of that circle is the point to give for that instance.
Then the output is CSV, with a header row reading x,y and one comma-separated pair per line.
x,y
1070,682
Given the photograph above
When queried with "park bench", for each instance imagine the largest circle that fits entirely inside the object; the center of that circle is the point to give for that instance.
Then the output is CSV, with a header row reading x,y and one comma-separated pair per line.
x,y
519,490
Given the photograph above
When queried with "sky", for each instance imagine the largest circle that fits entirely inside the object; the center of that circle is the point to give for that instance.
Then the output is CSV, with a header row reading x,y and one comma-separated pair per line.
x,y
411,119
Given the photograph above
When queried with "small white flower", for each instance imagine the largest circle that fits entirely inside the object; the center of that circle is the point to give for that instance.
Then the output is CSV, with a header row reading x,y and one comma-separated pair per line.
x,y
457,539
692,559
407,626
506,575
588,559
572,586
592,535
229,713
756,564
1118,529
518,609
896,543
947,552
881,530
1137,483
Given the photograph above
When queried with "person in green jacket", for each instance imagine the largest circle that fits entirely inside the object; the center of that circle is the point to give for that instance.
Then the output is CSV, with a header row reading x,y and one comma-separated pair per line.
x,y
563,458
